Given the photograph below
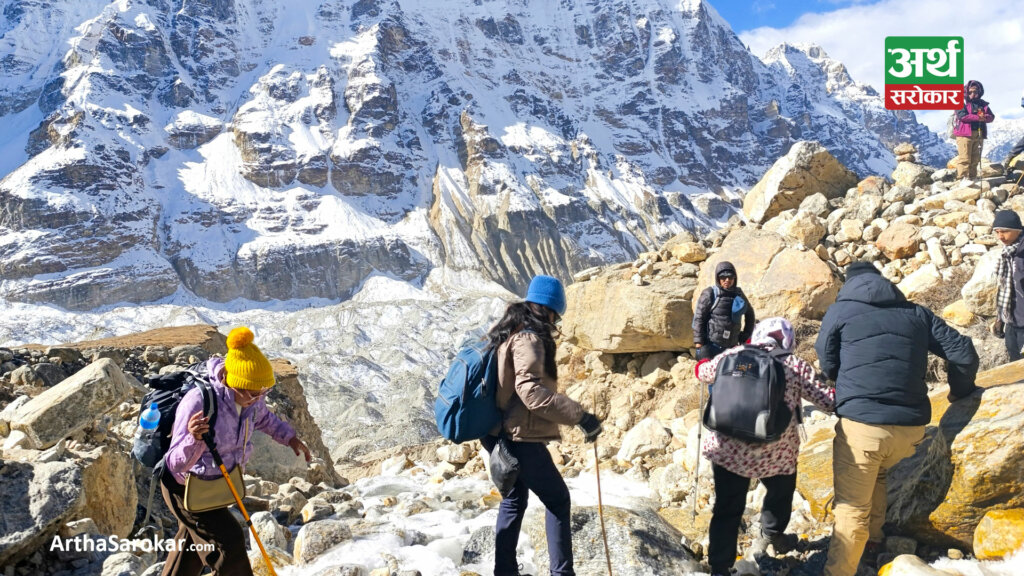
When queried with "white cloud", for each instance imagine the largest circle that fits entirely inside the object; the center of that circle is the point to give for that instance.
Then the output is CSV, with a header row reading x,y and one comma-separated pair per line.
x,y
993,32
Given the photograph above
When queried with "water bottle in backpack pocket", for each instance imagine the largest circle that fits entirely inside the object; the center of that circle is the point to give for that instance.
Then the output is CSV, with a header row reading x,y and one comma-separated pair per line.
x,y
749,398
153,438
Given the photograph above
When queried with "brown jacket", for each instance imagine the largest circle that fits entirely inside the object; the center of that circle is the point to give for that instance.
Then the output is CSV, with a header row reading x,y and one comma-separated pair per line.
x,y
527,396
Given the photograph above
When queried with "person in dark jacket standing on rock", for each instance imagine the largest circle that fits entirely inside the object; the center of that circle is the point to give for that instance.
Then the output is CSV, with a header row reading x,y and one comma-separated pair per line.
x,y
971,130
875,344
1009,322
719,312
532,408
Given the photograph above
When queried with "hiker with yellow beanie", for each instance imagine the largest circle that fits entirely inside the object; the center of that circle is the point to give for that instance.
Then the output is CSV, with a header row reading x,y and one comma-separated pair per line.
x,y
239,383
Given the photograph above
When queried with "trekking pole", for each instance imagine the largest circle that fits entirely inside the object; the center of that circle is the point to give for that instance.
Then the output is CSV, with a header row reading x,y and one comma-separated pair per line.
x,y
696,468
600,506
238,500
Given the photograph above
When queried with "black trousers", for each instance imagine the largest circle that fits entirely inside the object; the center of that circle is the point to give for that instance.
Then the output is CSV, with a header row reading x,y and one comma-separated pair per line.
x,y
731,500
1014,338
218,535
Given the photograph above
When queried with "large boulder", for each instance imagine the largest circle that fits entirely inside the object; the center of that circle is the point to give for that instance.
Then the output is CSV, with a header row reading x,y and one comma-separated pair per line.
x,y
802,228
105,473
971,462
779,281
36,499
611,314
980,291
807,168
639,541
275,462
73,404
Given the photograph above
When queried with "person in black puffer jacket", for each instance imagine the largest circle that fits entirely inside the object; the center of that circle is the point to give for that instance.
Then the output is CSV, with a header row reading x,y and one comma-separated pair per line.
x,y
874,344
719,312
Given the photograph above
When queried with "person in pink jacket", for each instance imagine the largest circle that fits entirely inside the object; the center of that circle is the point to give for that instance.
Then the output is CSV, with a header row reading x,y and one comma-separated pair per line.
x,y
734,462
971,130
240,381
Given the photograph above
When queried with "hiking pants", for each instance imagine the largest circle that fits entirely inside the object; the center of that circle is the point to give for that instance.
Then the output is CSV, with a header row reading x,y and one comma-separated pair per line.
x,y
731,500
537,474
227,556
968,156
1014,338
861,457
709,351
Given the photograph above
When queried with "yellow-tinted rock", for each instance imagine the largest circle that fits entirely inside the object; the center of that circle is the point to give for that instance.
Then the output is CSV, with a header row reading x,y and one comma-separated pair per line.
x,y
279,558
611,314
814,477
899,240
920,282
999,534
951,219
689,252
971,462
958,313
910,565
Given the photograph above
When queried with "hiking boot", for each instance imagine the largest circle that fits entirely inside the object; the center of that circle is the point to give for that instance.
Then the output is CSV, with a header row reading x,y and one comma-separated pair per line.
x,y
870,556
782,543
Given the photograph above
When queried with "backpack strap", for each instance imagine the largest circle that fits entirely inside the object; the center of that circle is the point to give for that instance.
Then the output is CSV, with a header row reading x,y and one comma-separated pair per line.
x,y
779,354
209,402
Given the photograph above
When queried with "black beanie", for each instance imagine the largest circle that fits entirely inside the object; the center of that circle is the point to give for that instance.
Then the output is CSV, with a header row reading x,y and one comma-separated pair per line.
x,y
858,268
1007,219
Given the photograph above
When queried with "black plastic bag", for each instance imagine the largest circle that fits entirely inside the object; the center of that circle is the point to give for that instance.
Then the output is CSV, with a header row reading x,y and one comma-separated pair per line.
x,y
504,467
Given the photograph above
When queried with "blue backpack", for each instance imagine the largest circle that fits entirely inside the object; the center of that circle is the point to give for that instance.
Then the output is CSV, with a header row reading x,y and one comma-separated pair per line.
x,y
466,407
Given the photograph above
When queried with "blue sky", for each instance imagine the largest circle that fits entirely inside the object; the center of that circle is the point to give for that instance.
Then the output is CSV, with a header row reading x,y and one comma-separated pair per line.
x,y
749,14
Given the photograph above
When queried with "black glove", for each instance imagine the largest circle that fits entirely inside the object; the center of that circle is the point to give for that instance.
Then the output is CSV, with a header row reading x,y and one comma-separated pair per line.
x,y
591,426
997,329
704,352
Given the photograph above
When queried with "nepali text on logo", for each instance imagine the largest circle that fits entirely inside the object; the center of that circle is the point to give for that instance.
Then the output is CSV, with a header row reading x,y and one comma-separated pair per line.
x,y
924,72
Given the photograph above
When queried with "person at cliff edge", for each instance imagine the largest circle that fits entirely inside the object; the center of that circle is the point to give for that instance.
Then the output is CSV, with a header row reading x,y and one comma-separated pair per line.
x,y
240,381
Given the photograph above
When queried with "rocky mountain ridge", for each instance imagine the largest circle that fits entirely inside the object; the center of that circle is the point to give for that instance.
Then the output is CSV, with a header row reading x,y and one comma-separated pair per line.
x,y
242,149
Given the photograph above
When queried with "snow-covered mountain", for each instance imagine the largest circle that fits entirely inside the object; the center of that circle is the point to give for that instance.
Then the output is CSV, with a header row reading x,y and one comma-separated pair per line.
x,y
266,150
1003,134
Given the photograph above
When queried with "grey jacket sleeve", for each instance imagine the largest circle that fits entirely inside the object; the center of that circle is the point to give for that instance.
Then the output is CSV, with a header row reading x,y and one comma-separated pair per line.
x,y
827,345
958,352
701,315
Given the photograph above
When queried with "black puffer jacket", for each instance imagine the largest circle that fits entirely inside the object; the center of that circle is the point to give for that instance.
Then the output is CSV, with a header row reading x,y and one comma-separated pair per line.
x,y
713,317
875,344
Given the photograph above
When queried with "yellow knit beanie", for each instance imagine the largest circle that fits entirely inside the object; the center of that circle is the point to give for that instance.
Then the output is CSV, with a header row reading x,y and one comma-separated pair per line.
x,y
247,368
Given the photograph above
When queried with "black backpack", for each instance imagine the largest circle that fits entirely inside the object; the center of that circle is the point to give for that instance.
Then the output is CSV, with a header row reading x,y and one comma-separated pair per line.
x,y
167,390
748,401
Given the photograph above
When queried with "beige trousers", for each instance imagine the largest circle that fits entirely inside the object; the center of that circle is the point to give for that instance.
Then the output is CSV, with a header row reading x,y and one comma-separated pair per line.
x,y
861,457
968,156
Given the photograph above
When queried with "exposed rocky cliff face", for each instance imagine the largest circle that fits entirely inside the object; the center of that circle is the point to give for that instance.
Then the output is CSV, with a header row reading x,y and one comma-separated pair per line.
x,y
259,150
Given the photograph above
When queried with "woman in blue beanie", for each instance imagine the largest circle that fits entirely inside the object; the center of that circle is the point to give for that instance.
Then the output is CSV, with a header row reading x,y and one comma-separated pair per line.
x,y
532,409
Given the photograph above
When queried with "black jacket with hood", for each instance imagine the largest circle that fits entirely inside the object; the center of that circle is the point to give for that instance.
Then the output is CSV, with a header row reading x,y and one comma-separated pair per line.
x,y
713,317
875,344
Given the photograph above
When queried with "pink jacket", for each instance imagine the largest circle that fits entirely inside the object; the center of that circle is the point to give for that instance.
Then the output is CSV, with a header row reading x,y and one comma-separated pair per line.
x,y
777,458
232,432
973,118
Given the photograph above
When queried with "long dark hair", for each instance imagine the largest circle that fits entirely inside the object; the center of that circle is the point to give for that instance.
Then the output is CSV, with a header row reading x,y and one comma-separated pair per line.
x,y
534,318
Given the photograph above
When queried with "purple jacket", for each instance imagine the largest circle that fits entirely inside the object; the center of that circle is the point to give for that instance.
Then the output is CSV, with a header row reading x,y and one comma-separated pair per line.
x,y
974,115
232,431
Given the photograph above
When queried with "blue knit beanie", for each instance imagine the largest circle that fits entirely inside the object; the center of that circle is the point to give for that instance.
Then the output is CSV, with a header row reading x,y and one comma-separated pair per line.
x,y
547,291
